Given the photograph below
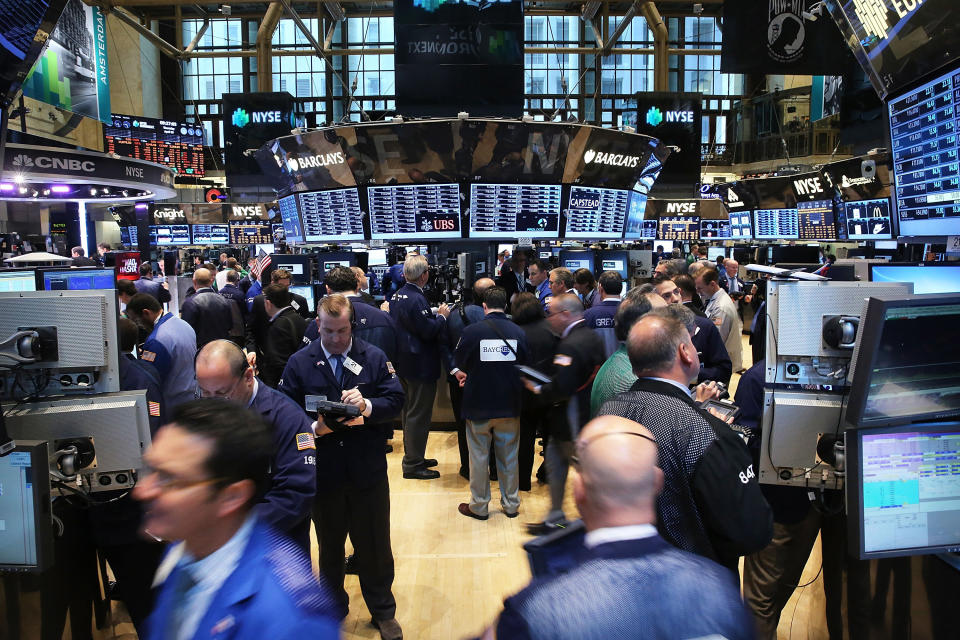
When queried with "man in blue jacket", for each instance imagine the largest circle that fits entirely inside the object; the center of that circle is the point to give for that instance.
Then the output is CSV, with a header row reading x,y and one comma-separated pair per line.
x,y
146,284
353,493
488,353
599,317
170,346
419,333
209,313
229,575
223,372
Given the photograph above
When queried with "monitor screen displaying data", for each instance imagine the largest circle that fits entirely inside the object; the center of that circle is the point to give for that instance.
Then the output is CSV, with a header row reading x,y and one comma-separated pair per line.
x,y
18,511
636,226
250,232
926,278
926,167
776,224
498,210
331,215
679,228
211,233
169,234
867,219
815,220
292,228
715,229
421,211
740,226
596,213
79,279
17,281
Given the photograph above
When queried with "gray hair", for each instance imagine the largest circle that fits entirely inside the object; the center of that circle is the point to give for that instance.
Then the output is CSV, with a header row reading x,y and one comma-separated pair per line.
x,y
414,267
654,351
682,314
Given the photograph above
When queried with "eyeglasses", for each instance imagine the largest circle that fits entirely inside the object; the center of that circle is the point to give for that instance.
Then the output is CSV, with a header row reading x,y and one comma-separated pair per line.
x,y
166,481
583,444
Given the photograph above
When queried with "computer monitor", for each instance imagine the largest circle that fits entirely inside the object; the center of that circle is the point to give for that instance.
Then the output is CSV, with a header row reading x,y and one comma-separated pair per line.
x,y
18,280
926,278
867,219
715,252
376,257
305,290
906,364
80,279
26,537
300,266
903,493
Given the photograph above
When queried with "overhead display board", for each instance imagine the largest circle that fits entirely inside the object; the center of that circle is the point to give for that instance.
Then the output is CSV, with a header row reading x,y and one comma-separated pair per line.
x,y
250,120
331,215
867,219
428,211
596,213
292,225
175,144
776,224
678,228
674,119
210,233
506,210
250,232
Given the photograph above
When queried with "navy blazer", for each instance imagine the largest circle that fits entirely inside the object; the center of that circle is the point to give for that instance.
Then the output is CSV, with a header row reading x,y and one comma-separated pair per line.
x,y
153,288
715,362
209,314
355,454
493,388
271,594
233,292
419,332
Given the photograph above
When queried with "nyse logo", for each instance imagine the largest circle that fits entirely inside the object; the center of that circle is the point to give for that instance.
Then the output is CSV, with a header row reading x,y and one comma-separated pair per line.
x,y
315,161
241,118
681,207
655,117
246,211
134,172
807,186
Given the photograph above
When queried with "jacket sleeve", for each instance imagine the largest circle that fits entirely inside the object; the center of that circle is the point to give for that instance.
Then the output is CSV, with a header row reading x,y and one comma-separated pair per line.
x,y
163,294
294,479
418,320
461,355
569,374
729,499
388,397
447,357
188,312
716,360
291,385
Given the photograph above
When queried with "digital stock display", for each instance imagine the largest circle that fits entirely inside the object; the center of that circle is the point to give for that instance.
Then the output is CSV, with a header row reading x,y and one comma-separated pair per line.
x,y
776,224
926,166
129,236
422,211
714,229
498,210
331,215
593,212
679,228
740,226
250,232
211,233
174,144
170,234
867,219
292,228
815,220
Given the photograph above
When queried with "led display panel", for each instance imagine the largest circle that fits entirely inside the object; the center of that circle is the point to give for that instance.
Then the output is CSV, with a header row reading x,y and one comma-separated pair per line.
x,y
499,210
715,229
422,211
210,233
815,220
169,234
250,232
596,213
867,219
776,224
292,227
331,215
679,228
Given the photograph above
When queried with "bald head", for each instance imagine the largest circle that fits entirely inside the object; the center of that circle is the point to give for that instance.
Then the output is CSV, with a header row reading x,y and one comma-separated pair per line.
x,y
202,278
480,287
659,346
618,478
222,355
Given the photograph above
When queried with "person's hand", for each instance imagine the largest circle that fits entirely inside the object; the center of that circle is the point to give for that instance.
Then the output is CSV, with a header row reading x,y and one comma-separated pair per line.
x,y
707,391
385,306
320,428
165,285
443,310
354,397
531,387
252,359
461,377
748,299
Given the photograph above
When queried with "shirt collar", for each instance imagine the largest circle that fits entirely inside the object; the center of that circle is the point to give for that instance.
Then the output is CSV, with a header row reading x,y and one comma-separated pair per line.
x,y
329,355
618,534
685,388
256,387
210,572
202,289
570,327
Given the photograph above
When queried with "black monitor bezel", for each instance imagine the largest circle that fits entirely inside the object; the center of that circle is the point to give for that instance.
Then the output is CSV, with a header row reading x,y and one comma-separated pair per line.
x,y
43,531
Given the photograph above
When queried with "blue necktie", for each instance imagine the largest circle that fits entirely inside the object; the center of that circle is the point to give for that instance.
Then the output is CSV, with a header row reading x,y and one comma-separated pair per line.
x,y
338,371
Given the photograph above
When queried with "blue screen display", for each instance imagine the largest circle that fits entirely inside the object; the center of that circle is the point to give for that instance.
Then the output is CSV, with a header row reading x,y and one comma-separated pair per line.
x,y
925,279
79,280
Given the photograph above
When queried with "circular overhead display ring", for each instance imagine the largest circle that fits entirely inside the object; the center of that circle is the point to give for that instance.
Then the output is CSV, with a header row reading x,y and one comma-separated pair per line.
x,y
53,174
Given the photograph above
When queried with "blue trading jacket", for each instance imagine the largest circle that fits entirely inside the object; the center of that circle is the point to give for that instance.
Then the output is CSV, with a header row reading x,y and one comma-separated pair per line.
x,y
419,333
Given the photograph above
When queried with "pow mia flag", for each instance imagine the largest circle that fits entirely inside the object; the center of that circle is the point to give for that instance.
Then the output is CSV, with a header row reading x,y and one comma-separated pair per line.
x,y
773,37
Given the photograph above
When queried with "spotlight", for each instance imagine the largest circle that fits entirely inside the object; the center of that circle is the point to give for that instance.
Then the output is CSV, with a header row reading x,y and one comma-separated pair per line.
x,y
60,188
6,186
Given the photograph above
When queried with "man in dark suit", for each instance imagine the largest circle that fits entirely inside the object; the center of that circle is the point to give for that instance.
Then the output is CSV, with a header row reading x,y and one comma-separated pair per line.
x,y
258,321
514,279
567,395
146,284
631,582
284,333
207,311
419,332
79,260
362,286
353,495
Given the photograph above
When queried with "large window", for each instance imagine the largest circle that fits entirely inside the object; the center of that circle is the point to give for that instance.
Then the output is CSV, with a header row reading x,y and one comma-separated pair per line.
x,y
549,77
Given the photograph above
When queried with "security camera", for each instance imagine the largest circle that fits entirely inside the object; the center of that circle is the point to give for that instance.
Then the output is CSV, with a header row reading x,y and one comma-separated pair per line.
x,y
697,8
225,9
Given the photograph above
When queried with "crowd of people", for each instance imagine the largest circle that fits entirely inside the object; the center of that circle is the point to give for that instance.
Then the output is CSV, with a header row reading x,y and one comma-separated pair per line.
x,y
668,493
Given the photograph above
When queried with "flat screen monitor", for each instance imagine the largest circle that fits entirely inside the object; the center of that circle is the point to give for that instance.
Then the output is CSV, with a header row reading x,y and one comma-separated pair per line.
x,y
331,215
125,236
903,490
776,224
292,226
636,227
678,228
250,232
578,263
305,290
499,210
906,366
926,278
795,254
815,220
26,537
278,234
18,281
210,233
78,279
715,230
867,219
298,265
420,249
376,257
715,252
924,150
574,259
169,234
265,248
741,226
595,213
545,255
420,211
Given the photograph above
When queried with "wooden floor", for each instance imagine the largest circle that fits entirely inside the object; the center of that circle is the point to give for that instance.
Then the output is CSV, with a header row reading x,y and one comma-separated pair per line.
x,y
453,572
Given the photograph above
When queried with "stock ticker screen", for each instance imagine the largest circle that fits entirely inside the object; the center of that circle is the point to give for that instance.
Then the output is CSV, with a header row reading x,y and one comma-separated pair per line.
x,y
292,227
740,226
867,219
714,229
815,220
679,228
170,234
421,211
331,215
926,166
776,224
596,213
250,232
499,210
174,144
211,233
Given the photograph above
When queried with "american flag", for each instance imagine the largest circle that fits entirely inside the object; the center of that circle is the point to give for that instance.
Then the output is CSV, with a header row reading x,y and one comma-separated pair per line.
x,y
263,261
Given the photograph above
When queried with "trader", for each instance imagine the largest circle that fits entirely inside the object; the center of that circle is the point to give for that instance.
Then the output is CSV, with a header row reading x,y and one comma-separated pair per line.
x,y
514,279
561,281
353,494
488,353
207,311
146,284
258,321
223,372
363,287
723,312
579,355
586,287
540,280
714,362
229,573
713,505
170,346
418,335
80,260
599,317
630,583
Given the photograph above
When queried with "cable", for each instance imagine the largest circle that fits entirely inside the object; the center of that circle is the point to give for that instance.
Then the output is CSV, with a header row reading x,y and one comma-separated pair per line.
x,y
86,498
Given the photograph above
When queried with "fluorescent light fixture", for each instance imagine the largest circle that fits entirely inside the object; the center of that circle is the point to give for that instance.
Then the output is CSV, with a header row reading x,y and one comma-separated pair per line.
x,y
60,188
6,186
